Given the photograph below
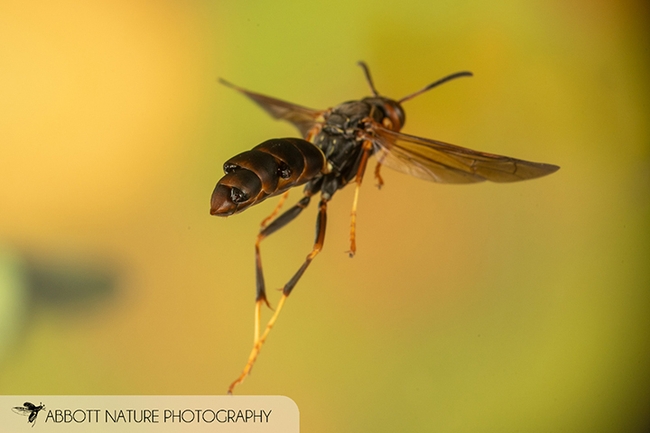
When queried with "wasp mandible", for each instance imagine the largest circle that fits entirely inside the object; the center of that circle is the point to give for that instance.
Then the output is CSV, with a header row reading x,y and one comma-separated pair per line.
x,y
333,152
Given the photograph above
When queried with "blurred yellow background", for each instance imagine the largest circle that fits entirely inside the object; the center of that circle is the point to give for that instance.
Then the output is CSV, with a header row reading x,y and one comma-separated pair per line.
x,y
478,308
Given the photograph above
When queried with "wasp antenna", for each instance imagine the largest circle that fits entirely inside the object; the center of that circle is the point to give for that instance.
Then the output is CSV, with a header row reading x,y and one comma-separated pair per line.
x,y
436,83
226,83
368,77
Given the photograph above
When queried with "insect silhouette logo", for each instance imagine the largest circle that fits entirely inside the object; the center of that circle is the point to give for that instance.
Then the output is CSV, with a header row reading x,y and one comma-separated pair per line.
x,y
29,410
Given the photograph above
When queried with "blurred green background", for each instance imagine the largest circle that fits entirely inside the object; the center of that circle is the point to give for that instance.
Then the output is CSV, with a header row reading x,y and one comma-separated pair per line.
x,y
477,308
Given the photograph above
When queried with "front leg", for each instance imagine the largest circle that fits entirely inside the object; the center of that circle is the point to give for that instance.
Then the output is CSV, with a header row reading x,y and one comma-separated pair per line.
x,y
367,148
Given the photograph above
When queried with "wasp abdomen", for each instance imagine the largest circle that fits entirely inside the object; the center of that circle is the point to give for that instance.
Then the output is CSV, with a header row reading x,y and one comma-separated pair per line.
x,y
267,169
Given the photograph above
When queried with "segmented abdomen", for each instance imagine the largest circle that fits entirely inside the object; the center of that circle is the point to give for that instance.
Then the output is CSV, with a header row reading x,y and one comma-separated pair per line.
x,y
267,169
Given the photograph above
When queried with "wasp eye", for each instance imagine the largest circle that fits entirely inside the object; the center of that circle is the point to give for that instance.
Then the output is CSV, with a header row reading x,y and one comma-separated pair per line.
x,y
284,171
237,195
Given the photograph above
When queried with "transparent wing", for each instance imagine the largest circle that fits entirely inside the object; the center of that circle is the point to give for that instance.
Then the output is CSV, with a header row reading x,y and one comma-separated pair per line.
x,y
21,410
301,117
447,163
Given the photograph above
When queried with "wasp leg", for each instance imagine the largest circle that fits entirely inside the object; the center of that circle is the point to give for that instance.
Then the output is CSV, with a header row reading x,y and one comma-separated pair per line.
x,y
380,161
380,180
257,347
367,147
310,189
260,300
266,220
321,224
277,224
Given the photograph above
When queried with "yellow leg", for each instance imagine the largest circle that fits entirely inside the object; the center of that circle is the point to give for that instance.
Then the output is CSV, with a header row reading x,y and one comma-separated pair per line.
x,y
353,223
275,211
321,223
380,180
258,344
258,318
367,146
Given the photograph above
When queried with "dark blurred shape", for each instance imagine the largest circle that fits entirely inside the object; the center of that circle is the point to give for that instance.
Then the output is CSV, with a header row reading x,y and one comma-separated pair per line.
x,y
62,282
69,284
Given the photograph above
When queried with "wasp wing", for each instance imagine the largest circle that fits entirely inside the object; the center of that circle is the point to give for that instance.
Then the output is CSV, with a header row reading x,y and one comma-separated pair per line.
x,y
447,163
301,117
21,410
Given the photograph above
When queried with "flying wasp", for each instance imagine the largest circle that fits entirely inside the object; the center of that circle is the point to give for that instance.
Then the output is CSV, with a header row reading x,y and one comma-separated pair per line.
x,y
334,152
30,410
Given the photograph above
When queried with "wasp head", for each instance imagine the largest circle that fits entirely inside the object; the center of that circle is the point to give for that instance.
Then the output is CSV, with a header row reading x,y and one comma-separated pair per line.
x,y
387,112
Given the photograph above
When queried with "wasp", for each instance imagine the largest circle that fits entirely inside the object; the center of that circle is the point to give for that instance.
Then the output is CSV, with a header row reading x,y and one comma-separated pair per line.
x,y
29,409
334,150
